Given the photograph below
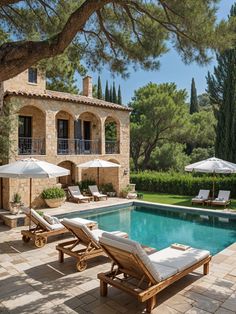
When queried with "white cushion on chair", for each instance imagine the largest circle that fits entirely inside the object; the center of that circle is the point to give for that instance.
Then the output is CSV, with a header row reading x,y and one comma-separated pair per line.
x,y
177,258
41,220
135,248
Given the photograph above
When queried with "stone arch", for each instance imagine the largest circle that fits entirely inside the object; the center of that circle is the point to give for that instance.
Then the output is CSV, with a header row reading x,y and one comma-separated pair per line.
x,y
65,129
89,132
72,178
112,135
31,130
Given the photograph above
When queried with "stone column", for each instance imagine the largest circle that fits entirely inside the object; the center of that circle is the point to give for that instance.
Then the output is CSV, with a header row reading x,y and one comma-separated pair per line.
x,y
102,137
51,134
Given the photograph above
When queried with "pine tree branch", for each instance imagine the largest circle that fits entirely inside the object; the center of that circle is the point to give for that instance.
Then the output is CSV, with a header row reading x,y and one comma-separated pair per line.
x,y
15,57
6,2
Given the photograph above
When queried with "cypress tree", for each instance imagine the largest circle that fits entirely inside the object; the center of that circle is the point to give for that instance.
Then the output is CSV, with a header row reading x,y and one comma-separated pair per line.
x,y
119,101
107,94
193,99
99,88
222,91
111,96
114,97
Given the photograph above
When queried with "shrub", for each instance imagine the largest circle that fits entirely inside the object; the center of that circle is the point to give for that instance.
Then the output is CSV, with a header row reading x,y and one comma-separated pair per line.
x,y
108,187
83,185
52,193
182,184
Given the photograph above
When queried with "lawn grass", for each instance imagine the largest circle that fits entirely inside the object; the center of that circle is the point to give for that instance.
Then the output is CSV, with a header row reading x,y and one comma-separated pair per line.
x,y
180,200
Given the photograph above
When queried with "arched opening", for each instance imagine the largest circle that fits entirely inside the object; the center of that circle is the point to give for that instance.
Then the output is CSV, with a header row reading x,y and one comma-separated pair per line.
x,y
71,179
88,133
31,131
112,136
65,133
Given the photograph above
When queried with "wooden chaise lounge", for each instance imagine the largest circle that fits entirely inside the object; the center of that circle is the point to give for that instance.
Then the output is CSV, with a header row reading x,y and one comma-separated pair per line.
x,y
202,197
85,237
223,199
142,275
41,229
95,193
75,194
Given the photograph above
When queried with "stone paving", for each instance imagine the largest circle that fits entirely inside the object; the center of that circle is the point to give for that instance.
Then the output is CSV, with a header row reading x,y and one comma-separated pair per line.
x,y
33,281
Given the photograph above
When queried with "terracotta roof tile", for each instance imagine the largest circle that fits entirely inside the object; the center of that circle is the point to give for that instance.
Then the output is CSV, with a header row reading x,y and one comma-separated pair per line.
x,y
68,97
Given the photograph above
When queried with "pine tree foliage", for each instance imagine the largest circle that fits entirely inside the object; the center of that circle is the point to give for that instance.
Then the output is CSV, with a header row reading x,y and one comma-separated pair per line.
x,y
193,99
119,100
114,97
99,89
222,91
111,94
120,34
107,92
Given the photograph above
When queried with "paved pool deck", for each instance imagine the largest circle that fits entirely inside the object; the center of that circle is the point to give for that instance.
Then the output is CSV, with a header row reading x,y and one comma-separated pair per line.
x,y
33,281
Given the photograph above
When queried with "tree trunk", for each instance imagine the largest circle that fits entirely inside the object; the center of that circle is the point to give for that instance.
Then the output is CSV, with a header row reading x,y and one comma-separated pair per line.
x,y
16,57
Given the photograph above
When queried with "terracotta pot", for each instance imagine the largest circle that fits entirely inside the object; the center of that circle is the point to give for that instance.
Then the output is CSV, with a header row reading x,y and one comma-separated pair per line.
x,y
15,208
55,202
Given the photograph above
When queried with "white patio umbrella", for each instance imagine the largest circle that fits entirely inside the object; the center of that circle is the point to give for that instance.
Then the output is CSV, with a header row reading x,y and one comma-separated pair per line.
x,y
212,165
32,168
98,163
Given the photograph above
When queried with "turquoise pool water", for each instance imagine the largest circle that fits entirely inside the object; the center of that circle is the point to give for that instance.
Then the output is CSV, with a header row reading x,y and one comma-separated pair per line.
x,y
160,228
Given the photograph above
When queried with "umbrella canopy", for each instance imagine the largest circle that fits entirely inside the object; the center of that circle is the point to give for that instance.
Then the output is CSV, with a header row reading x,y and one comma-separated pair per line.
x,y
212,165
32,168
98,163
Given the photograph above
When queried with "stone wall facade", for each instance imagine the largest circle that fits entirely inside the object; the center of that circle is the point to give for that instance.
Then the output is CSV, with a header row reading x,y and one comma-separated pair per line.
x,y
21,83
45,113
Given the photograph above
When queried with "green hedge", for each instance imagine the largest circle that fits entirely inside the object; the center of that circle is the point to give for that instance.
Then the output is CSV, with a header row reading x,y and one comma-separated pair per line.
x,y
181,183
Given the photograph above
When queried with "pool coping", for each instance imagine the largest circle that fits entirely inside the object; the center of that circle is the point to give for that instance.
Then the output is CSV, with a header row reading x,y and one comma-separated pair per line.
x,y
211,212
193,210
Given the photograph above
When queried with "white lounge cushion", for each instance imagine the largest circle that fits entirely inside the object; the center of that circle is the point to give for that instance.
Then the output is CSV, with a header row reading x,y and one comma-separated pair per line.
x,y
91,234
80,197
51,220
202,195
224,195
161,264
57,226
41,220
178,259
164,271
135,248
97,233
98,194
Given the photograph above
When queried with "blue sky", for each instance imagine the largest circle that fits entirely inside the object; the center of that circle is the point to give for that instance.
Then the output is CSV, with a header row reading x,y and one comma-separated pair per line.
x,y
172,69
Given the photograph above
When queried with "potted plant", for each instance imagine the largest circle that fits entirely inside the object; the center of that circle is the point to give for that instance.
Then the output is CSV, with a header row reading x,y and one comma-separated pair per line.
x,y
15,204
54,197
126,191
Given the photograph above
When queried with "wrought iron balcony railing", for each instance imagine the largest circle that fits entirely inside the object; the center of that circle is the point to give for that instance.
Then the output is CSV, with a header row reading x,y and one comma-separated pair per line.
x,y
31,146
78,147
112,147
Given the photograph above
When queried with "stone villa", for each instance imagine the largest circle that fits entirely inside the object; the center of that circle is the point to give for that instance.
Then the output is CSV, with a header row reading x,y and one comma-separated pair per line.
x,y
66,130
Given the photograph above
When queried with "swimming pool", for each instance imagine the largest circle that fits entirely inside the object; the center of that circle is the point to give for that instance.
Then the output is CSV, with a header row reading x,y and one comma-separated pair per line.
x,y
160,228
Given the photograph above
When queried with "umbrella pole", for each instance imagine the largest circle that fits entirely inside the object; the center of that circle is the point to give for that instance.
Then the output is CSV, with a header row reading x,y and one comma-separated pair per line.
x,y
213,188
1,195
30,195
98,176
30,201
